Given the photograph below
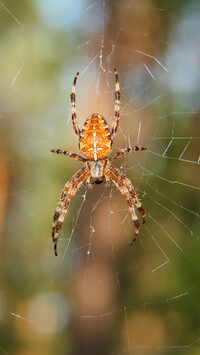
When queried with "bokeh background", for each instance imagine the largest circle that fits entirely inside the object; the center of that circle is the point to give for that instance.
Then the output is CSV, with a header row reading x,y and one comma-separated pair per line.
x,y
100,296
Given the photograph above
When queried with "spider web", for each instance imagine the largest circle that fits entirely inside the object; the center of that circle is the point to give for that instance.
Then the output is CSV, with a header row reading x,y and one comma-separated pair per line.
x,y
100,295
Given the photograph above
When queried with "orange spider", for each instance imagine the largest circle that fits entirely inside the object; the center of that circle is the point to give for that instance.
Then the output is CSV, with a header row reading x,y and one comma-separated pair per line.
x,y
95,142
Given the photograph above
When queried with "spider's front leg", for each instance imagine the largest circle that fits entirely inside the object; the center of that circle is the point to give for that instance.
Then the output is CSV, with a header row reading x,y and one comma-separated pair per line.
x,y
126,188
67,193
88,182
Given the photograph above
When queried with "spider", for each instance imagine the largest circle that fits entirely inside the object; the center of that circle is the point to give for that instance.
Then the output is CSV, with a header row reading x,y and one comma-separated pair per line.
x,y
95,143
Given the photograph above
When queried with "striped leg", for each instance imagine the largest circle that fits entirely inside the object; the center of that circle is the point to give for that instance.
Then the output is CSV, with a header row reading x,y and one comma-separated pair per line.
x,y
123,151
124,180
117,106
67,193
69,154
119,180
73,106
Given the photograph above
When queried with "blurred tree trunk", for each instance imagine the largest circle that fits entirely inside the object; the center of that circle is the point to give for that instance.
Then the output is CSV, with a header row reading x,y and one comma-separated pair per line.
x,y
3,189
95,289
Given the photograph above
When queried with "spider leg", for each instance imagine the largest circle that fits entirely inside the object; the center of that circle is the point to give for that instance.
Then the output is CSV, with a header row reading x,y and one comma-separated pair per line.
x,y
123,151
132,191
73,106
116,107
70,188
69,154
125,181
126,188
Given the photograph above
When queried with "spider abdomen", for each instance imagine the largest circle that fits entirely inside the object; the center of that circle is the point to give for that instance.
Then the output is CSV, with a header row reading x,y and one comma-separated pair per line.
x,y
95,140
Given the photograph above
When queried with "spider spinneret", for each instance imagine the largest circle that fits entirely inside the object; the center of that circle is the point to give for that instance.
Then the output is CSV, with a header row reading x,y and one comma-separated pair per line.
x,y
95,142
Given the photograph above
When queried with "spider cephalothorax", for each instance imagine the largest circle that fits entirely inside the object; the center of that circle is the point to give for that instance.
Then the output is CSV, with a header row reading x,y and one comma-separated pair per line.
x,y
95,142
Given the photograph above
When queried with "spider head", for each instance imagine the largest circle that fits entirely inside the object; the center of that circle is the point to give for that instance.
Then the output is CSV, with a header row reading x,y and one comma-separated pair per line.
x,y
98,181
97,170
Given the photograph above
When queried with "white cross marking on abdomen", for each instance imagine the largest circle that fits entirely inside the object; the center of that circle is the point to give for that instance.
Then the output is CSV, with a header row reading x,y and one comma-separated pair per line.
x,y
95,146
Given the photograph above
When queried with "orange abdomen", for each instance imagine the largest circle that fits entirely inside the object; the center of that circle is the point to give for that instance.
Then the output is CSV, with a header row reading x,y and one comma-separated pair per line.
x,y
95,141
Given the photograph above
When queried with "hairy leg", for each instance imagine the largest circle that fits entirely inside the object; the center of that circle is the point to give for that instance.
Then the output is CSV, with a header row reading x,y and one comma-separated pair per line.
x,y
114,174
126,182
73,107
116,107
70,188
124,151
69,154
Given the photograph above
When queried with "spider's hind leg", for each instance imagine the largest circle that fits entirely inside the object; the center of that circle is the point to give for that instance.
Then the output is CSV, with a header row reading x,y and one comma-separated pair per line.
x,y
116,107
73,107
